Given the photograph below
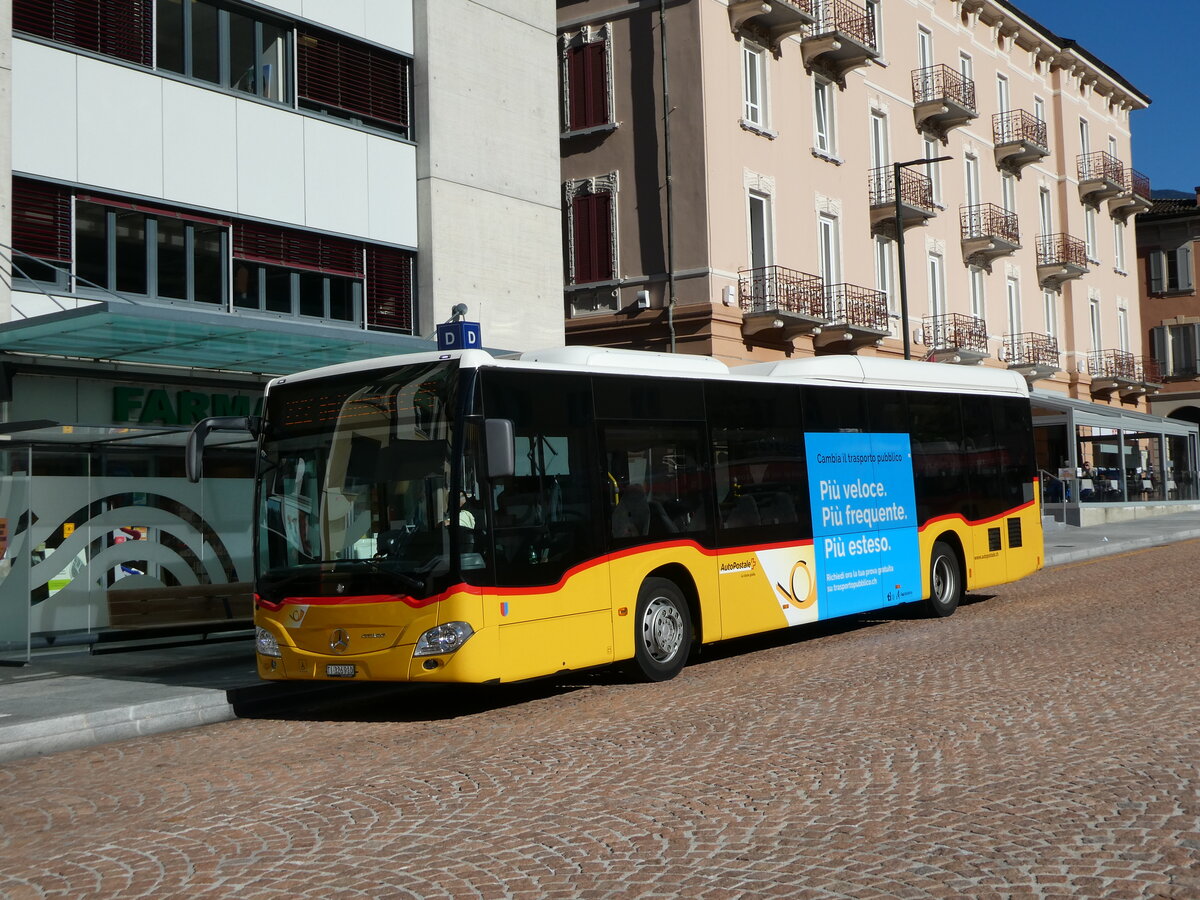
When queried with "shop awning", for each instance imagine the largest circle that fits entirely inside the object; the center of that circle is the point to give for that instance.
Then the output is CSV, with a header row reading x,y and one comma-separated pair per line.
x,y
200,338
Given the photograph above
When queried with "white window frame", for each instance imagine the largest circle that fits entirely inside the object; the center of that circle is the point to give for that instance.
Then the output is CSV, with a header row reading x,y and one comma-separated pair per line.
x,y
1123,328
1012,296
824,117
754,86
1003,93
978,296
1094,323
971,179
1119,245
877,7
829,248
1085,136
1039,108
966,65
1045,211
932,170
759,204
881,150
1008,191
1050,309
936,271
1089,234
885,261
924,47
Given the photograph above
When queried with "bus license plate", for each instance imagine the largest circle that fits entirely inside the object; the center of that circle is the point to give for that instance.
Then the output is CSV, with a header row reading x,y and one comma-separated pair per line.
x,y
334,671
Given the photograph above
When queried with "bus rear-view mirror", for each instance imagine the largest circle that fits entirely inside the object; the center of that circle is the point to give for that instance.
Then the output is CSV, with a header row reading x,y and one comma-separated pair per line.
x,y
501,447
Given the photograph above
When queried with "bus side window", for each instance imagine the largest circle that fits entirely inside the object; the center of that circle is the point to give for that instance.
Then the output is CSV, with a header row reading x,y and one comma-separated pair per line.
x,y
832,409
937,445
659,480
761,474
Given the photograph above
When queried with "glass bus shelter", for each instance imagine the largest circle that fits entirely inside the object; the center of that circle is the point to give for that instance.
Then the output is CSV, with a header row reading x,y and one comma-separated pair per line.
x,y
1089,453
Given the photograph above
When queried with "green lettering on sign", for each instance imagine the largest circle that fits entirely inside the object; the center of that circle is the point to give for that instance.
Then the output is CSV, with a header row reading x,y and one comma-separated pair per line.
x,y
126,401
192,407
158,408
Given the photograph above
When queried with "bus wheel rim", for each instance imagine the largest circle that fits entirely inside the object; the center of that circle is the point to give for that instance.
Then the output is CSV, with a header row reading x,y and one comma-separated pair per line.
x,y
662,629
942,579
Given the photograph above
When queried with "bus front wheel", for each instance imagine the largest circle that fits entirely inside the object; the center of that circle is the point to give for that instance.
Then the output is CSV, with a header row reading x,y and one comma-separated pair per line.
x,y
945,581
662,630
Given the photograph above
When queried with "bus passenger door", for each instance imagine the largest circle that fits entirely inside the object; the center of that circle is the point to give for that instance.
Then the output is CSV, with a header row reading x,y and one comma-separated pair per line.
x,y
657,515
551,601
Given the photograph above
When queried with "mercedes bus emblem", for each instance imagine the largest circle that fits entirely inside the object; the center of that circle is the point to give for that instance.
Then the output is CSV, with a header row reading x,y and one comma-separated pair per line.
x,y
339,640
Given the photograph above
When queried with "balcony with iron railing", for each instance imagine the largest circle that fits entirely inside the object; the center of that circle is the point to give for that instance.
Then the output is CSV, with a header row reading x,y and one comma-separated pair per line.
x,y
1020,138
857,316
943,99
1060,258
1136,199
1032,354
780,303
771,22
840,39
1149,373
1101,177
988,232
916,198
954,338
1112,370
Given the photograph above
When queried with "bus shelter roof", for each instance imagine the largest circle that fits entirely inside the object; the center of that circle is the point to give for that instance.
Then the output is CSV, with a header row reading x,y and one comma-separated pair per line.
x,y
198,338
1097,415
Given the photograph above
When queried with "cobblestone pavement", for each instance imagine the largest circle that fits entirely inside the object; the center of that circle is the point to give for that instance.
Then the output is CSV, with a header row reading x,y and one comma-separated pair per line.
x,y
1042,742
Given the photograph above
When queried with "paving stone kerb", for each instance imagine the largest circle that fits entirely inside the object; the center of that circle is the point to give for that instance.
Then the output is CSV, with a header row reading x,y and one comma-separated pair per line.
x,y
1042,742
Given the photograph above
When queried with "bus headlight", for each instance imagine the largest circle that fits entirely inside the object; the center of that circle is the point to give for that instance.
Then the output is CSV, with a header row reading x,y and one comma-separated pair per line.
x,y
265,643
443,639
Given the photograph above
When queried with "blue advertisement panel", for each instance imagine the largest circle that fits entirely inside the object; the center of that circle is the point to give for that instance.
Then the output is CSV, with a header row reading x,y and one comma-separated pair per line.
x,y
864,521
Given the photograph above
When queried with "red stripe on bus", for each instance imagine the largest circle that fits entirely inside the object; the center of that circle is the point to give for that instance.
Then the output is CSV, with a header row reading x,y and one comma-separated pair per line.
x,y
974,522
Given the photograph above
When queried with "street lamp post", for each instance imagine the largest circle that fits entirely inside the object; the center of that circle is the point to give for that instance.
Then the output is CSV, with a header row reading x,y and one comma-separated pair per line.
x,y
896,167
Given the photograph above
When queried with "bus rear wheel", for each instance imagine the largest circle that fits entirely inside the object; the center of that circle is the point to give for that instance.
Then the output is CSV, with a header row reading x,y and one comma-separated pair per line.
x,y
662,630
945,581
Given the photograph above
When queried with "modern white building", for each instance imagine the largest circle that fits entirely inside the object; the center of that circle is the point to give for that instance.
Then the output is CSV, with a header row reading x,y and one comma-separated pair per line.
x,y
208,193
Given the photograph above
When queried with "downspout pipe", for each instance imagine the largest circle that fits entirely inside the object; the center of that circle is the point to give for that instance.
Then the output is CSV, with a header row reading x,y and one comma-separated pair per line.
x,y
666,101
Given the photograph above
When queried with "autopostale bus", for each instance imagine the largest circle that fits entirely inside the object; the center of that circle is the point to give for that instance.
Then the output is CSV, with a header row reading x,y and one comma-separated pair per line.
x,y
459,517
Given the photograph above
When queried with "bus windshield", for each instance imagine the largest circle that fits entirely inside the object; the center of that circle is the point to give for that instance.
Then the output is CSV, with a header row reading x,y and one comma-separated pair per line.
x,y
354,482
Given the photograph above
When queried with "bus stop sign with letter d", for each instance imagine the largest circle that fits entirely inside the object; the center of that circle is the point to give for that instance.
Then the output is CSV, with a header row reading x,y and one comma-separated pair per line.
x,y
459,336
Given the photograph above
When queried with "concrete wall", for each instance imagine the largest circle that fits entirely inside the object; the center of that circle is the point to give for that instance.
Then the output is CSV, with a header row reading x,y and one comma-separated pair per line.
x,y
386,22
487,169
122,129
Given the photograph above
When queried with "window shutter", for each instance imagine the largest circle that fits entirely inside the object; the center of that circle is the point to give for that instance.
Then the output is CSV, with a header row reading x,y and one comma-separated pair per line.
x,y
587,80
592,214
1184,262
390,289
119,28
41,220
352,77
1157,266
297,249
1160,347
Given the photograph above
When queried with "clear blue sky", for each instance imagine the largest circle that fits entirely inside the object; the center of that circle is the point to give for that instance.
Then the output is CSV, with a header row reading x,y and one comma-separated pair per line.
x,y
1153,44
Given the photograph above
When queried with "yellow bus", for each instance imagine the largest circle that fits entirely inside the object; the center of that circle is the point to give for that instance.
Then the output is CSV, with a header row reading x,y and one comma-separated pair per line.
x,y
457,517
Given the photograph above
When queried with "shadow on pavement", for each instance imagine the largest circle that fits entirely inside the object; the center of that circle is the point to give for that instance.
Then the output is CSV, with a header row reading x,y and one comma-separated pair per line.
x,y
387,702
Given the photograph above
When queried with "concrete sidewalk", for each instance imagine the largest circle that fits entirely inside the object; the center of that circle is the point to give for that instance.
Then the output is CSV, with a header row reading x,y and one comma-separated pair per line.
x,y
72,700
